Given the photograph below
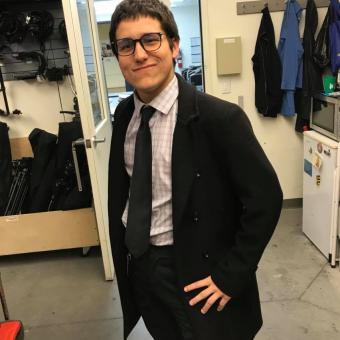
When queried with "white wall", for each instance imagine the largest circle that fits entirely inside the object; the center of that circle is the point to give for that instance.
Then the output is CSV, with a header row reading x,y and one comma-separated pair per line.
x,y
40,105
187,19
283,146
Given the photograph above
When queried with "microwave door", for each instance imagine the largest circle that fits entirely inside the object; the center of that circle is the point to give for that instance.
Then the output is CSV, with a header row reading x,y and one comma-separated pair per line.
x,y
324,118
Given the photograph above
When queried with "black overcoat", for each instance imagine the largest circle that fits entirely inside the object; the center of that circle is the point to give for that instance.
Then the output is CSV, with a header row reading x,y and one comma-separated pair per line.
x,y
226,202
267,69
312,75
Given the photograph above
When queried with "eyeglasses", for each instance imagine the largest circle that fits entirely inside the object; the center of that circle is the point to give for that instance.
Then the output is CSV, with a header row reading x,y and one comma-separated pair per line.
x,y
149,41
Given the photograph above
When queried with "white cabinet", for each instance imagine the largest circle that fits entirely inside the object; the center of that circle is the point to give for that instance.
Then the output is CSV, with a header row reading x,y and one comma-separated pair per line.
x,y
321,192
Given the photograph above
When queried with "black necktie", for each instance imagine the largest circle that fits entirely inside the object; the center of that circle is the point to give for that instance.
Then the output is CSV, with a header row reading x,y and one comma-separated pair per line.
x,y
137,237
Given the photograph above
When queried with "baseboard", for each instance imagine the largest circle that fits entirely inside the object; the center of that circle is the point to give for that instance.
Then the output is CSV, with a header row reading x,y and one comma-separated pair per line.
x,y
292,203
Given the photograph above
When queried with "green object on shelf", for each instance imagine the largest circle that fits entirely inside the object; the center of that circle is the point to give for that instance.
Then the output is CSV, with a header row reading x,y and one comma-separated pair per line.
x,y
329,83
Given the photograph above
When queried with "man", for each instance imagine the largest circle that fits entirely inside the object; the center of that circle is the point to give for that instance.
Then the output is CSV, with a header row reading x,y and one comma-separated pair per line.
x,y
193,200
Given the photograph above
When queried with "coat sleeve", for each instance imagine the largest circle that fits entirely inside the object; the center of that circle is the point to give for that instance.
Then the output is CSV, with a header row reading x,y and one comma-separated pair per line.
x,y
257,188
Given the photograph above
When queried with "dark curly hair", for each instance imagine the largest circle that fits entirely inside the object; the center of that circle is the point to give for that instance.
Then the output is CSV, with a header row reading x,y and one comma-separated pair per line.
x,y
133,9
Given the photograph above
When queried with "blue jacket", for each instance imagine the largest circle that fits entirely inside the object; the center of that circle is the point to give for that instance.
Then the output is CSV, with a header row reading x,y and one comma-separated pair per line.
x,y
290,51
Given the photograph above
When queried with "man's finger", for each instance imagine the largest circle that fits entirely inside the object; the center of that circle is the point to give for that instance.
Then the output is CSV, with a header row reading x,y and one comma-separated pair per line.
x,y
201,296
213,298
196,285
222,303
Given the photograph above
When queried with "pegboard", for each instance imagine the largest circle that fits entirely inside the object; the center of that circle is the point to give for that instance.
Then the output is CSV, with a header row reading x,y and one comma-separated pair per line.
x,y
252,7
56,48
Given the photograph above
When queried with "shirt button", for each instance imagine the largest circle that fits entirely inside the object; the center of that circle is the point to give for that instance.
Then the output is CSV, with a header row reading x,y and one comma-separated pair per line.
x,y
198,175
205,255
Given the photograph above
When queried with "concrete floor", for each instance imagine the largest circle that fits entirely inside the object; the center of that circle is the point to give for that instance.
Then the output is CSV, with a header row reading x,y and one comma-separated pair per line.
x,y
61,295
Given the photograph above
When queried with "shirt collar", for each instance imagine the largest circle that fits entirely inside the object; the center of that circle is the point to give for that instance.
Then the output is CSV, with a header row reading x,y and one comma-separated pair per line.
x,y
164,101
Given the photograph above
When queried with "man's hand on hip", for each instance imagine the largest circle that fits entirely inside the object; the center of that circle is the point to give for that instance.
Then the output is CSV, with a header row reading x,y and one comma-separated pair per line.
x,y
211,294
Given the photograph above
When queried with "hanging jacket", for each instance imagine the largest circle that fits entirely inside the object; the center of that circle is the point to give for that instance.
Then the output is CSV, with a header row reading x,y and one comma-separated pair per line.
x,y
290,50
267,69
334,35
312,78
43,146
5,166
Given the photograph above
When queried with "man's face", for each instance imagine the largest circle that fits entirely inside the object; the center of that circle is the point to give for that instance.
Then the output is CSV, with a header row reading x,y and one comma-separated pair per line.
x,y
148,72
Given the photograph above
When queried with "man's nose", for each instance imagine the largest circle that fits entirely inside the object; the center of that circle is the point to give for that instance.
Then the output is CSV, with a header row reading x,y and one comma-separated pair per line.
x,y
140,53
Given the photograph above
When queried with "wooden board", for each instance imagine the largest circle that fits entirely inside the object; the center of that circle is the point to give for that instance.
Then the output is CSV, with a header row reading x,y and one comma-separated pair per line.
x,y
48,231
20,147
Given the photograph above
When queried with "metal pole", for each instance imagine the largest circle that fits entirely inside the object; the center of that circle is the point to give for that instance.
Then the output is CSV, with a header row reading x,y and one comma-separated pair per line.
x,y
3,301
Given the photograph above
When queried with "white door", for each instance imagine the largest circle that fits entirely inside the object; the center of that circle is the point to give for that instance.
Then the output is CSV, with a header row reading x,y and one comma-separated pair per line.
x,y
92,96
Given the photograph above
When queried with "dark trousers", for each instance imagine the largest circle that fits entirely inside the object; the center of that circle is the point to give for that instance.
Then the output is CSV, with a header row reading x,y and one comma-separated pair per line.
x,y
154,283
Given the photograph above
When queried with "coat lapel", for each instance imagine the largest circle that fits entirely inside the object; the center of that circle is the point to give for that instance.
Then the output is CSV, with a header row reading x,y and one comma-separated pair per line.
x,y
118,177
183,152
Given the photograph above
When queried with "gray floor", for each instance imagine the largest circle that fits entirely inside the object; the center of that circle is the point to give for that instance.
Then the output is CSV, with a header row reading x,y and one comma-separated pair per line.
x,y
61,295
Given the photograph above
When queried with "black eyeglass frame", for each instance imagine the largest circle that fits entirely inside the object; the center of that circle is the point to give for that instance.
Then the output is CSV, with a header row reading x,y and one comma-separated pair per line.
x,y
140,40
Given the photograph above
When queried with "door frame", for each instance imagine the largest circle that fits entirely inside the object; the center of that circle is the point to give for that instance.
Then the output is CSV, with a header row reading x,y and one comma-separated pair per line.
x,y
82,88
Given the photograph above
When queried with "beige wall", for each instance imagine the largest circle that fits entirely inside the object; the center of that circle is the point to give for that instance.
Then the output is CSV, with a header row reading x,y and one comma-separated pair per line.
x,y
39,103
283,146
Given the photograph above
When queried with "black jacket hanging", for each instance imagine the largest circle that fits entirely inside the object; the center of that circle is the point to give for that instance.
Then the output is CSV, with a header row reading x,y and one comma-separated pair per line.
x,y
267,69
5,166
312,79
43,171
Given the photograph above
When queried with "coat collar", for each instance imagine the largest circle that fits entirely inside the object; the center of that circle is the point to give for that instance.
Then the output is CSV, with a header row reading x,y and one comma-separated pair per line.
x,y
187,104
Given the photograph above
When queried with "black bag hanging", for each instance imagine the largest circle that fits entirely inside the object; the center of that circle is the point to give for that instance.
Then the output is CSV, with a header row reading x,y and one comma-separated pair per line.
x,y
5,167
65,193
43,171
322,53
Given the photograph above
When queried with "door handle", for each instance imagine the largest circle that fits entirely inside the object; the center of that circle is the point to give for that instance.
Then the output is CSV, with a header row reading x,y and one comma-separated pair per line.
x,y
96,141
79,141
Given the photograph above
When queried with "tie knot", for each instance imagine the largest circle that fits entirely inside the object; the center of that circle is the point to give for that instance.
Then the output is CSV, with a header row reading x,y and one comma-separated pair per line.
x,y
146,113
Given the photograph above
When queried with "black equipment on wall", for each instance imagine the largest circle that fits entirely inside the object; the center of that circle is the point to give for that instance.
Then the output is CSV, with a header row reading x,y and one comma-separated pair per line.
x,y
33,26
56,73
32,56
5,166
40,26
3,91
62,29
13,26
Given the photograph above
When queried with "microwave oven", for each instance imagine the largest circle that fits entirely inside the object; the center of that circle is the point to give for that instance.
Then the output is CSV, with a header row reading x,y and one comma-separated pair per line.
x,y
325,116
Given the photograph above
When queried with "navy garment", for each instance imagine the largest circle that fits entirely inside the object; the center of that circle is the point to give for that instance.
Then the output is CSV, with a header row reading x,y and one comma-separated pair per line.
x,y
334,35
291,51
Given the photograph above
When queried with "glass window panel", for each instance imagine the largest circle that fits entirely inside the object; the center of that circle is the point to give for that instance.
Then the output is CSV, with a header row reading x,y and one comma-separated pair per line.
x,y
91,69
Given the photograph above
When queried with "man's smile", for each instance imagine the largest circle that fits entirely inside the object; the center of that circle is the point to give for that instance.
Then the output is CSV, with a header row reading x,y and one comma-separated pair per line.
x,y
143,67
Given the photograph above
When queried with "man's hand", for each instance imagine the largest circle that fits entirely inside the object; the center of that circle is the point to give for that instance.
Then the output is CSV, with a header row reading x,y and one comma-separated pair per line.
x,y
212,293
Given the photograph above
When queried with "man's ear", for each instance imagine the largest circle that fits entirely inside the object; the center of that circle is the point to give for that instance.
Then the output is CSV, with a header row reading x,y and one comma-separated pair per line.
x,y
175,47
